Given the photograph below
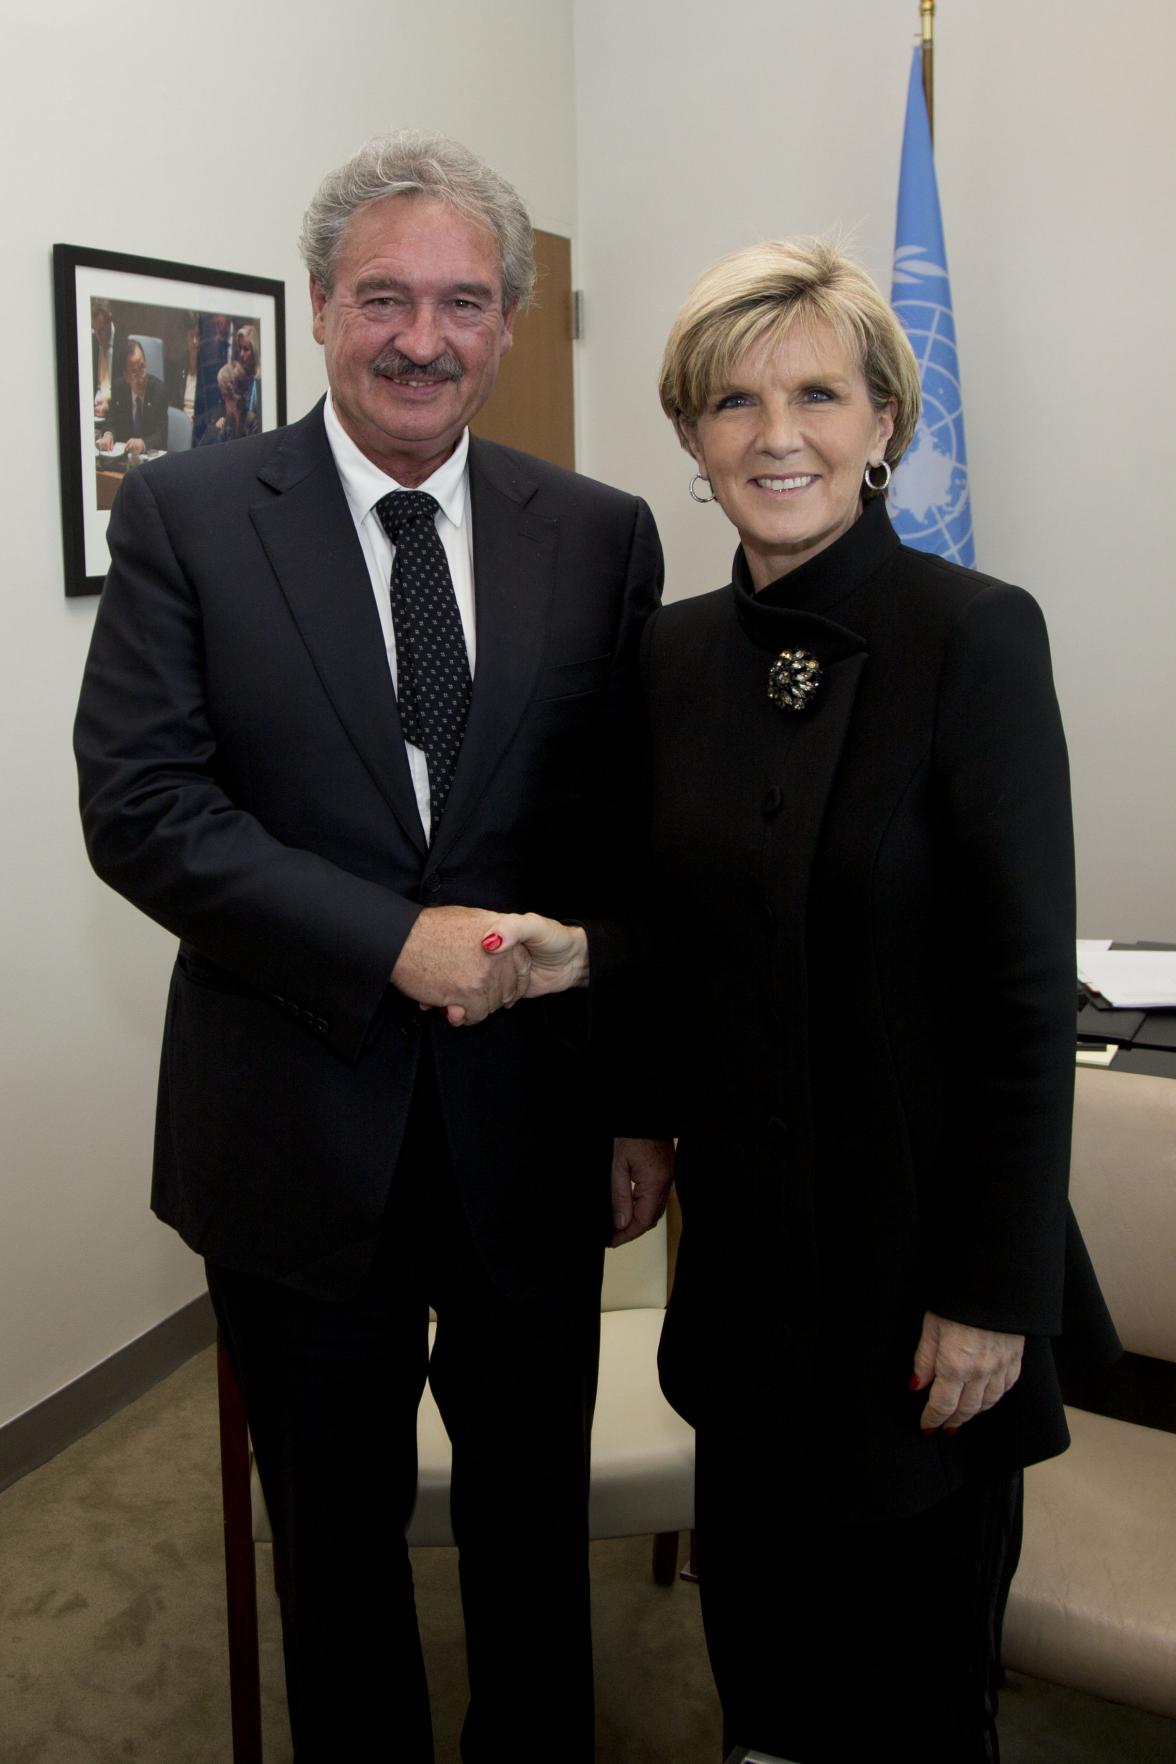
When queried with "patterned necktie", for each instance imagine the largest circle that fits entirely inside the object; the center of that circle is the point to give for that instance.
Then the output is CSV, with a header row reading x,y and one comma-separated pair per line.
x,y
432,666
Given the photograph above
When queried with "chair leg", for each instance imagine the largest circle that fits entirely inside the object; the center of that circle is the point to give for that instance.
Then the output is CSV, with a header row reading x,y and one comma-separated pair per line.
x,y
240,1572
665,1558
690,1571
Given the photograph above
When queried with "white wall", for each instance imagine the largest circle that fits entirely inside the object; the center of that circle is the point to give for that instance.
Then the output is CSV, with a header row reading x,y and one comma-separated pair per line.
x,y
701,130
83,1266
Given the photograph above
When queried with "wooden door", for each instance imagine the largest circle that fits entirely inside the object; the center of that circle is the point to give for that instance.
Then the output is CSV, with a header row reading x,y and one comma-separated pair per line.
x,y
532,405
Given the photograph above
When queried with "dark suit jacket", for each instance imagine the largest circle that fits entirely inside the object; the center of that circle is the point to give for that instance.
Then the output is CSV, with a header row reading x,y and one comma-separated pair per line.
x,y
877,896
244,782
152,429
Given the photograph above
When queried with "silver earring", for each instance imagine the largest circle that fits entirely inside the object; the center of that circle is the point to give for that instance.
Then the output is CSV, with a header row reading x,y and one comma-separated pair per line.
x,y
868,481
699,479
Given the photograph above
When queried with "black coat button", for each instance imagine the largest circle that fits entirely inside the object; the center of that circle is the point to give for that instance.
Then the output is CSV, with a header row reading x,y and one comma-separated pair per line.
x,y
773,802
433,883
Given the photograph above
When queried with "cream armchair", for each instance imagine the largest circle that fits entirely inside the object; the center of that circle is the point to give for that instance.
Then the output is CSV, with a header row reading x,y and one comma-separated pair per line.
x,y
1093,1604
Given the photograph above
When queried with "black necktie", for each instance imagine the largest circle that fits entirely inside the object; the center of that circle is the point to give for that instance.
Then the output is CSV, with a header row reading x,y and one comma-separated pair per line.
x,y
432,667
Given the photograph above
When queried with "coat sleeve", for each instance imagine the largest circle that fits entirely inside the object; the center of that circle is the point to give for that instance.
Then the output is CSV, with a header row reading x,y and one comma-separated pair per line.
x,y
161,830
622,1009
1002,790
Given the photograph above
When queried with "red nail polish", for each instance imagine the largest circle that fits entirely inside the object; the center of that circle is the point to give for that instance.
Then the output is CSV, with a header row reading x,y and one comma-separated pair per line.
x,y
951,1430
491,942
914,1382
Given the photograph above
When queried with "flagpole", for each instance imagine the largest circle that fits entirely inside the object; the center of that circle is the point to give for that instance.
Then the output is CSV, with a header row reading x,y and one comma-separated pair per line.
x,y
927,17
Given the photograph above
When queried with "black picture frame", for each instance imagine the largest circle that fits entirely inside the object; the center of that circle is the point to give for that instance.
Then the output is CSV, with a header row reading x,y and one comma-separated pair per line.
x,y
159,305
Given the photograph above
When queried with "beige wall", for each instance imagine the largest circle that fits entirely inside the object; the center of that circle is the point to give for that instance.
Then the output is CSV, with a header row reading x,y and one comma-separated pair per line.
x,y
215,169
701,130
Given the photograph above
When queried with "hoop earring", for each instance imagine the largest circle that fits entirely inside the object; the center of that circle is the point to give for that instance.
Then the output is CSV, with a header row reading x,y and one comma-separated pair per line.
x,y
870,485
699,479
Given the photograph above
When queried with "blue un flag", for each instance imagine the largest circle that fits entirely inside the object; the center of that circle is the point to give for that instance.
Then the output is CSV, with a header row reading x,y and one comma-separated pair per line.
x,y
929,502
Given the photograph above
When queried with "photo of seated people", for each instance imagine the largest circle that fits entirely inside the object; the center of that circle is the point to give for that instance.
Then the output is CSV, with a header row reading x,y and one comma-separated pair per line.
x,y
165,380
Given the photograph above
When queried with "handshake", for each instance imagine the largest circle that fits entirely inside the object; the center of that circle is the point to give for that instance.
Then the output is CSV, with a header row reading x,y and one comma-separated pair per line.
x,y
470,963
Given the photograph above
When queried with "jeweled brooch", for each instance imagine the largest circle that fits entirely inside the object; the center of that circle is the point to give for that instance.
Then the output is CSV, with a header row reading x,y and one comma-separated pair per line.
x,y
793,678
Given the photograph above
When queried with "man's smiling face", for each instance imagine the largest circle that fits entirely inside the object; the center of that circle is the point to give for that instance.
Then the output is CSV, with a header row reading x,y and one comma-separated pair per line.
x,y
413,330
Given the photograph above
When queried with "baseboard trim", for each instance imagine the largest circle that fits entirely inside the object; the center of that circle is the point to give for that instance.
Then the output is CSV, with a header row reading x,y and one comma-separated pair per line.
x,y
47,1428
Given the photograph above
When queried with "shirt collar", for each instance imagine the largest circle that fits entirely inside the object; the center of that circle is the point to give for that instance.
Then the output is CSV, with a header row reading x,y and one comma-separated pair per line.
x,y
364,483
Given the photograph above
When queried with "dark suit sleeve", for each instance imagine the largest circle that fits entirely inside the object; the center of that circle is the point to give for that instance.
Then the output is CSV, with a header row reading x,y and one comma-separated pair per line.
x,y
1002,788
161,830
611,939
628,1000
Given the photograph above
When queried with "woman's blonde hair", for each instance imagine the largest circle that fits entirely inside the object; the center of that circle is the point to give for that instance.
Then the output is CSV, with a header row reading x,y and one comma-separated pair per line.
x,y
754,297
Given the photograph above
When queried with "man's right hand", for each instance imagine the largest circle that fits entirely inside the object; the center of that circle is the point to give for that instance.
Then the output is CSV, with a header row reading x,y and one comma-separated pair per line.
x,y
443,963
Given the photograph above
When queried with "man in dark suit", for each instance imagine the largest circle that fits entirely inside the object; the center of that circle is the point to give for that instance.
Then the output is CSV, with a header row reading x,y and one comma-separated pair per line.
x,y
328,792
138,405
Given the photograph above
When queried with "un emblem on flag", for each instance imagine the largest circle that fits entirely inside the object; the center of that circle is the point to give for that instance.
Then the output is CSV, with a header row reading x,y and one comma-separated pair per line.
x,y
929,502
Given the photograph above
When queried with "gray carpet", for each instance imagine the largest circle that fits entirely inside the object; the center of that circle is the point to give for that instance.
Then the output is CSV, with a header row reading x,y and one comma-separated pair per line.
x,y
112,1624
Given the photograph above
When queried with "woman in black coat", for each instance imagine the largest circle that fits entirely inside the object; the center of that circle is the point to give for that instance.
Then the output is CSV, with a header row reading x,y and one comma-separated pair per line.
x,y
864,874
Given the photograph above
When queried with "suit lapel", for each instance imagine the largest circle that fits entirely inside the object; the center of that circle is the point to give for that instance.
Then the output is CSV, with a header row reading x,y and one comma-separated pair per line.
x,y
514,575
310,540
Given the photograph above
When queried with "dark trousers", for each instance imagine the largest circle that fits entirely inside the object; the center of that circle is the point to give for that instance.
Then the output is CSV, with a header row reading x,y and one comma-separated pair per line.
x,y
332,1392
833,1642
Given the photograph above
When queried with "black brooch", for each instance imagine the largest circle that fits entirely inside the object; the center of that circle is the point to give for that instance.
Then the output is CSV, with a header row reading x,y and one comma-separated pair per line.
x,y
793,678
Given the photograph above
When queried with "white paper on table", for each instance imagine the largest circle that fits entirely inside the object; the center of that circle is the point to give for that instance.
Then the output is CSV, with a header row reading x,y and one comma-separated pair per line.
x,y
1132,979
1089,945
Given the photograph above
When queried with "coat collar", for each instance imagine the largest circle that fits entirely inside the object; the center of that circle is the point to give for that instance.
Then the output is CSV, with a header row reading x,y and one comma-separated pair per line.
x,y
798,607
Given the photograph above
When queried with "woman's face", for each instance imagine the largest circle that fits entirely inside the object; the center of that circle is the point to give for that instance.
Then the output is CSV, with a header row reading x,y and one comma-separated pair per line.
x,y
785,445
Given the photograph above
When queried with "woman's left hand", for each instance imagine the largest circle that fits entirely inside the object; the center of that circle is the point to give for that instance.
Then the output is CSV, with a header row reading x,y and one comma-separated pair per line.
x,y
558,955
968,1370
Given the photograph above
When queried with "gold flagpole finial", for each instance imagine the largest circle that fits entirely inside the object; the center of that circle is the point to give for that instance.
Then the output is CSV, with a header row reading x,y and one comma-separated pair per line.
x,y
927,19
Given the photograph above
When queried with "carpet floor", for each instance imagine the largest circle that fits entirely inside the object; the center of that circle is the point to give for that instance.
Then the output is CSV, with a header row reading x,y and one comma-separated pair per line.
x,y
112,1636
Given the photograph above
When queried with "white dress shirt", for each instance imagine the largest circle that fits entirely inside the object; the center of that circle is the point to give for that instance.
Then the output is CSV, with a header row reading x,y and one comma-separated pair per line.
x,y
364,484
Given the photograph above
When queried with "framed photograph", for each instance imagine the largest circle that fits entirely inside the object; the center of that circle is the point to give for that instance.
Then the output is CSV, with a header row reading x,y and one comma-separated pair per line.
x,y
152,358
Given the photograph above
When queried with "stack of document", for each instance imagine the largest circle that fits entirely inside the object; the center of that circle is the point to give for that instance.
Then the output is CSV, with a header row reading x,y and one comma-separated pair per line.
x,y
1129,979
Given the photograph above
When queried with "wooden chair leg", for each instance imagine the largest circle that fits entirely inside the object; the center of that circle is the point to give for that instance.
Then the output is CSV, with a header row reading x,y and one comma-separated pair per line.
x,y
665,1558
240,1573
690,1571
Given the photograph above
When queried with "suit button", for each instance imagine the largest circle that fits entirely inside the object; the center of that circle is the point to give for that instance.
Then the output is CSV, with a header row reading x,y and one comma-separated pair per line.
x,y
321,1025
768,916
773,802
433,883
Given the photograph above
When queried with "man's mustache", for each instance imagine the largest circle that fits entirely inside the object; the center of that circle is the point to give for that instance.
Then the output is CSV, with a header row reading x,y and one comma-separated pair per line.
x,y
392,364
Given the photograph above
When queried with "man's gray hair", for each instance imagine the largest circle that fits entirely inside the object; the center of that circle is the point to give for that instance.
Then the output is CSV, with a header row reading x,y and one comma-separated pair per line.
x,y
411,164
